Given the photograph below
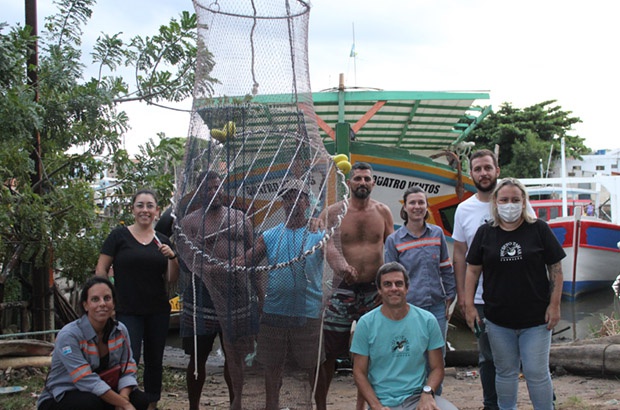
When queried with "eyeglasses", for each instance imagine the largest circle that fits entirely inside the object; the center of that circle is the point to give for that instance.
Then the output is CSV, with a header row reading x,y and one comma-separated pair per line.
x,y
141,205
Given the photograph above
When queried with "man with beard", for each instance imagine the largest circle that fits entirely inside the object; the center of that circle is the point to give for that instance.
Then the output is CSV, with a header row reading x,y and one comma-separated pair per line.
x,y
222,233
361,236
469,215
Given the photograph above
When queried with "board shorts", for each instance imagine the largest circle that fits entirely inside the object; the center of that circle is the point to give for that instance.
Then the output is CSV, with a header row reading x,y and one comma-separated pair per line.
x,y
347,304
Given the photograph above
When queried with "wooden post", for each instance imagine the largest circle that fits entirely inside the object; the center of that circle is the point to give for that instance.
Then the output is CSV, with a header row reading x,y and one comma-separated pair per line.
x,y
42,315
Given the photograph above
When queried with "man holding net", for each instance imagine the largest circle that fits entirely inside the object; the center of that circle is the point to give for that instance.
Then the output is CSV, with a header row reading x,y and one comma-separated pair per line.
x,y
363,231
292,308
211,303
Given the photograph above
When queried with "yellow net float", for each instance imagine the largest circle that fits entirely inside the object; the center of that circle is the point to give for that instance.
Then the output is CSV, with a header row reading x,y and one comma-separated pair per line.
x,y
228,131
342,162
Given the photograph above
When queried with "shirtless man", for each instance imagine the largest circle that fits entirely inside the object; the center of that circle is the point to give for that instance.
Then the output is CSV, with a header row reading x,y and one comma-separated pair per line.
x,y
221,233
362,234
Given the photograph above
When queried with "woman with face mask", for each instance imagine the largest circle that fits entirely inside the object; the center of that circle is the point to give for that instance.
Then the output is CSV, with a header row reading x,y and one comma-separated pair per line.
x,y
521,260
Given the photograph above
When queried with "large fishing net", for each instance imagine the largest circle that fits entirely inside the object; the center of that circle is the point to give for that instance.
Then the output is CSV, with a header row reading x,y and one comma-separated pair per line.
x,y
249,223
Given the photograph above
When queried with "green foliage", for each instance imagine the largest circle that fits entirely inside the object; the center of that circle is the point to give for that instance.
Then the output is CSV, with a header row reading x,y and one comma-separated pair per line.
x,y
526,135
53,220
153,168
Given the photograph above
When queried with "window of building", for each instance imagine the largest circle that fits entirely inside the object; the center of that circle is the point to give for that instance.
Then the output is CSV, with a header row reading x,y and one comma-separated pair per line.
x,y
600,167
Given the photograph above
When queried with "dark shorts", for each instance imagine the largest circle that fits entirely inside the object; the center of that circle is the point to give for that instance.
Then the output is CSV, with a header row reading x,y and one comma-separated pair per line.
x,y
233,310
347,303
203,311
302,343
205,344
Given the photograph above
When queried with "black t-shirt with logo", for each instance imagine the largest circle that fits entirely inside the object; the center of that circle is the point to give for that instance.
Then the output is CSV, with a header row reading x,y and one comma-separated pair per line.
x,y
516,284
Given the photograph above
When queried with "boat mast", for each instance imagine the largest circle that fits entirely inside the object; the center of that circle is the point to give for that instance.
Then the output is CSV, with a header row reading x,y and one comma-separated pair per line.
x,y
564,176
354,55
343,128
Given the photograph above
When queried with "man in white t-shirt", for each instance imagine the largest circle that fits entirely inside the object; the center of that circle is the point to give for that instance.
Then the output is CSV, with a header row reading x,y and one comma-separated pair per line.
x,y
470,214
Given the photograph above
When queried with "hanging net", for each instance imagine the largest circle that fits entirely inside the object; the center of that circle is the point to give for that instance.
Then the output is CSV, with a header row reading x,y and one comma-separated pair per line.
x,y
249,222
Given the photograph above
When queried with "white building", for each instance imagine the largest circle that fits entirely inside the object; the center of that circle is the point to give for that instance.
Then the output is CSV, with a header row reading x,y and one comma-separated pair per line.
x,y
604,162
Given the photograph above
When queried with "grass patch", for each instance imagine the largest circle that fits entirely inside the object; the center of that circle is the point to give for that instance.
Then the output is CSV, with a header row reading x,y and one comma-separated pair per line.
x,y
31,378
573,402
173,380
34,380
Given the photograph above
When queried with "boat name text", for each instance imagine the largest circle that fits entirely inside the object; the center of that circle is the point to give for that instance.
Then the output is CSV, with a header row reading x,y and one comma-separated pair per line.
x,y
402,184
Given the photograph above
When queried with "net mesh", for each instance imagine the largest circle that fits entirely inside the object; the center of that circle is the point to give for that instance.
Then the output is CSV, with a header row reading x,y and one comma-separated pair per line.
x,y
249,230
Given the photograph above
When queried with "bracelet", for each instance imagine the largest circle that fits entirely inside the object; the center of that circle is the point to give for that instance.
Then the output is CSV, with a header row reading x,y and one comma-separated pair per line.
x,y
174,257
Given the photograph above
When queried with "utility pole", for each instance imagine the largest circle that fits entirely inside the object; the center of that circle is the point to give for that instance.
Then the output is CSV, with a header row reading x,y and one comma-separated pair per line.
x,y
41,301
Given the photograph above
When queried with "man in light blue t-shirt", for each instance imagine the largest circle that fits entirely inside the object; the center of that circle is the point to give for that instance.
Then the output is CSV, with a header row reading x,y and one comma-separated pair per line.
x,y
388,349
292,307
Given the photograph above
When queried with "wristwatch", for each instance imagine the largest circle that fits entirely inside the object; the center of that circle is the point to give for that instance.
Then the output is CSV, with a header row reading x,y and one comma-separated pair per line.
x,y
428,390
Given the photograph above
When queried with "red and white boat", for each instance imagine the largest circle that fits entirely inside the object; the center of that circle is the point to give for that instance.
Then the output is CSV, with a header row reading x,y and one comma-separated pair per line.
x,y
590,241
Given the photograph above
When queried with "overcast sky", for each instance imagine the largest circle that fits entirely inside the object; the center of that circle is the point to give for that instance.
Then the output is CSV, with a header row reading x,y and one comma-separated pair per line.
x,y
523,52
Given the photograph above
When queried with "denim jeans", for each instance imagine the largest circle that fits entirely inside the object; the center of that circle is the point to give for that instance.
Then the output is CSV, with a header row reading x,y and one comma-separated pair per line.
x,y
439,311
527,349
486,366
412,404
152,330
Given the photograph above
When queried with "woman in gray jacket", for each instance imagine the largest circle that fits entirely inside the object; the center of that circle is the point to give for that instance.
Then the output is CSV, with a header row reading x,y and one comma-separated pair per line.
x,y
85,349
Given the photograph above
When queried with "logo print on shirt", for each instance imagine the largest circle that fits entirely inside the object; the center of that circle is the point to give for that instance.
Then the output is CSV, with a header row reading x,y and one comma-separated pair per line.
x,y
485,219
400,346
510,251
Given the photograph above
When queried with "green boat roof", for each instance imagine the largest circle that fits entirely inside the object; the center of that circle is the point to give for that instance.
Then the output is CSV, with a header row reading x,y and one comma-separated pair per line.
x,y
411,120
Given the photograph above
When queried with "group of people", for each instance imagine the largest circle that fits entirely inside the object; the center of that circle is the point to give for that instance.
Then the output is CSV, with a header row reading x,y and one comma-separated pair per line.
x,y
397,285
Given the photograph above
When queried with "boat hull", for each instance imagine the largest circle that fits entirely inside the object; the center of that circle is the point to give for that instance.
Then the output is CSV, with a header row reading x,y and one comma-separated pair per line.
x,y
592,260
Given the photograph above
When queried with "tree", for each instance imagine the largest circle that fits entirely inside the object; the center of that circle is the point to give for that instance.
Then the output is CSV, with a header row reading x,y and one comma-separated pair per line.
x,y
525,136
55,225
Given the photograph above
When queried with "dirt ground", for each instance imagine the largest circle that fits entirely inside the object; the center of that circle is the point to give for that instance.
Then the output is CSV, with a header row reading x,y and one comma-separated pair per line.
x,y
573,392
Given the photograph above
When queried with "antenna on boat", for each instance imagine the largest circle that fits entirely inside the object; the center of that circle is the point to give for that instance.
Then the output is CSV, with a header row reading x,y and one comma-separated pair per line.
x,y
353,55
549,161
541,167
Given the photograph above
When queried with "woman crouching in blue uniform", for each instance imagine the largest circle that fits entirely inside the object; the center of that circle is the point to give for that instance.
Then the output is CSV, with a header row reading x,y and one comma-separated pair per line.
x,y
92,365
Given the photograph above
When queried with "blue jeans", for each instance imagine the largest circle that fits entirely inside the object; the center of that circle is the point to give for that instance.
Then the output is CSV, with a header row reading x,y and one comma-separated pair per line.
x,y
411,403
152,330
439,311
527,348
486,365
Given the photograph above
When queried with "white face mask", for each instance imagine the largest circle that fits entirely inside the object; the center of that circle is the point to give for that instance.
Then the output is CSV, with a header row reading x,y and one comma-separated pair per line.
x,y
510,212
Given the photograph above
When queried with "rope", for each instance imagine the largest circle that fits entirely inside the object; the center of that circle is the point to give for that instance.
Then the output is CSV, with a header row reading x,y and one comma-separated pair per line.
x,y
604,355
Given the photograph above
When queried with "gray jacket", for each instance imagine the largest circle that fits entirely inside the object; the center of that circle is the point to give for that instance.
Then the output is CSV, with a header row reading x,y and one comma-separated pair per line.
x,y
76,355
